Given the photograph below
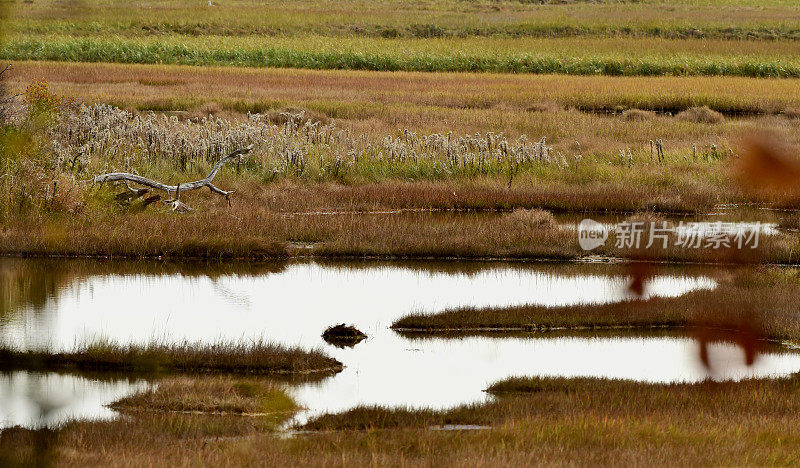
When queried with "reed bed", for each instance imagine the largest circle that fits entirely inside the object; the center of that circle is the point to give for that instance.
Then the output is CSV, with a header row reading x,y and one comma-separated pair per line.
x,y
110,135
101,138
585,118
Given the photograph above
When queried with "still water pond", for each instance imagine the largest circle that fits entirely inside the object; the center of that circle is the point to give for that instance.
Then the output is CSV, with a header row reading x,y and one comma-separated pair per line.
x,y
48,399
60,304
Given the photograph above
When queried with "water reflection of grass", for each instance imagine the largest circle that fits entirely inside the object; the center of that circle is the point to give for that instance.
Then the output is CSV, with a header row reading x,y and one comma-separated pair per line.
x,y
27,284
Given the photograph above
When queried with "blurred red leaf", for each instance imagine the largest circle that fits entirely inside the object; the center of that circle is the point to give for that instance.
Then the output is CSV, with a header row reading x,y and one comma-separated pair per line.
x,y
765,168
641,273
746,335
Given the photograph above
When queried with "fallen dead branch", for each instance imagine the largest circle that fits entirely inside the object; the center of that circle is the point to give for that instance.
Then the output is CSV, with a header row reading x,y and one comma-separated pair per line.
x,y
177,205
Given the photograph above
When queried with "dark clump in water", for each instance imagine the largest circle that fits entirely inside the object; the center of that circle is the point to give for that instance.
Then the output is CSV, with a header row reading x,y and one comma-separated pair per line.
x,y
343,336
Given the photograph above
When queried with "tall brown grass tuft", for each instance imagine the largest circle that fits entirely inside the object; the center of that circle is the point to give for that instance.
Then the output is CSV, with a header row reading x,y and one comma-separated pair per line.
x,y
701,115
638,114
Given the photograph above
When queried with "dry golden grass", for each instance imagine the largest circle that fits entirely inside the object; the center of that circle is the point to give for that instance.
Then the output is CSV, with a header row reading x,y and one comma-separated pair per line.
x,y
263,235
792,112
272,214
638,114
444,89
701,115
77,219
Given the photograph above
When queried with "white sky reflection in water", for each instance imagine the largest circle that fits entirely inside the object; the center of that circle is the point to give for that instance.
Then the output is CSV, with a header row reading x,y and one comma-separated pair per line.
x,y
442,373
293,306
23,395
296,304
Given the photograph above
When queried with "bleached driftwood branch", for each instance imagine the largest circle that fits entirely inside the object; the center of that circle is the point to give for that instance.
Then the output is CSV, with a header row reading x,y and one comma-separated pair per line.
x,y
127,177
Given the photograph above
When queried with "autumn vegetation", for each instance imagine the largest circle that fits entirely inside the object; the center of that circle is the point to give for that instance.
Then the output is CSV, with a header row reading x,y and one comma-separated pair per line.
x,y
399,130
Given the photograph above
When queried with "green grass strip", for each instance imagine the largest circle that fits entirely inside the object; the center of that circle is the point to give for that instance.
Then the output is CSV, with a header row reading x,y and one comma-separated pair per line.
x,y
126,51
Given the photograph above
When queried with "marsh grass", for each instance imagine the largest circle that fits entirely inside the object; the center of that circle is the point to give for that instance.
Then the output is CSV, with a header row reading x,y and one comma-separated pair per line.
x,y
221,394
252,231
527,398
770,295
541,421
224,357
350,173
376,418
305,165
